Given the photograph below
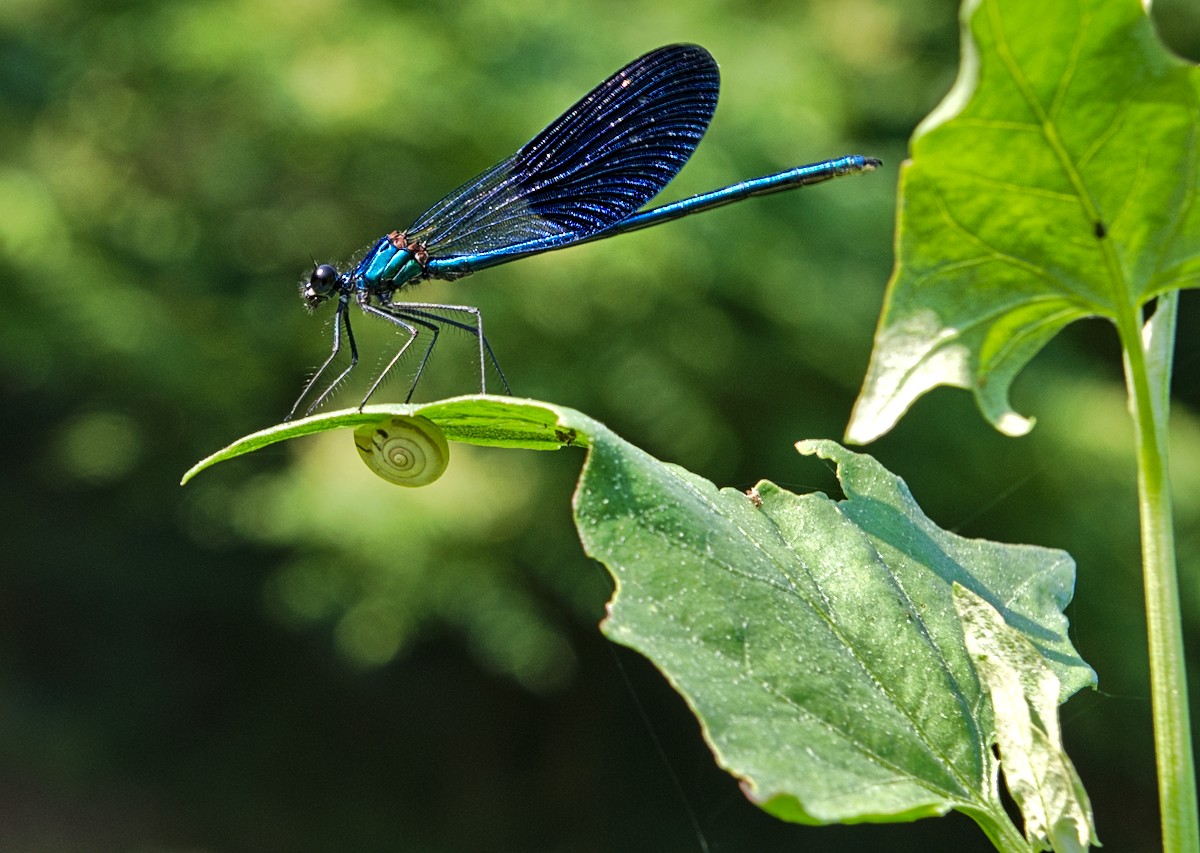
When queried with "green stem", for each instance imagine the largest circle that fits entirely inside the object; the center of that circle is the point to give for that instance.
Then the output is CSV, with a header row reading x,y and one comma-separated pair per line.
x,y
1147,377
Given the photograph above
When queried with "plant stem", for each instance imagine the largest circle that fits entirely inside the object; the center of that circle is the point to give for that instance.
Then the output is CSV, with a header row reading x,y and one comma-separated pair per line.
x,y
1147,377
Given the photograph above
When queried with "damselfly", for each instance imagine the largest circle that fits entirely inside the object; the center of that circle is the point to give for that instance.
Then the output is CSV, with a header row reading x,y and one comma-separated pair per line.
x,y
583,178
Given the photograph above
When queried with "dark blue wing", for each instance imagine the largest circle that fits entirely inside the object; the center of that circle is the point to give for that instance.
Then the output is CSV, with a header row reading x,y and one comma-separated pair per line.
x,y
599,162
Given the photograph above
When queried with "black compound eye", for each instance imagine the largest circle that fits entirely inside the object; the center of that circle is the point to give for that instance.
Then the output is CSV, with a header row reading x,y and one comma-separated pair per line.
x,y
322,280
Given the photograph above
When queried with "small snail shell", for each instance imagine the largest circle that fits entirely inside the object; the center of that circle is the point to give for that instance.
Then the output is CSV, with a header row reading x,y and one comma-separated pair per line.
x,y
405,451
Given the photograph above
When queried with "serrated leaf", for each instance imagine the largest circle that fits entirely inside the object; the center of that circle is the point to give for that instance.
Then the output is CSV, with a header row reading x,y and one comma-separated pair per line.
x,y
1057,181
1024,694
816,640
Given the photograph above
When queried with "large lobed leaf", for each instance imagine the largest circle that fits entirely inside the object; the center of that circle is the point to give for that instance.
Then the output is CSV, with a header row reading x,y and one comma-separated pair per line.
x,y
1056,181
816,639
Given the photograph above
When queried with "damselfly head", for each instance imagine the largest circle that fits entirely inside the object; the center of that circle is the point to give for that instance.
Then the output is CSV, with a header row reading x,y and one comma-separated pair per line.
x,y
321,283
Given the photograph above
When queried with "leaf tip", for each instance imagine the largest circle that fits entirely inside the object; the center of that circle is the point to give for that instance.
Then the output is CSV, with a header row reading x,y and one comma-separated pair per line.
x,y
190,473
1014,425
822,447
863,430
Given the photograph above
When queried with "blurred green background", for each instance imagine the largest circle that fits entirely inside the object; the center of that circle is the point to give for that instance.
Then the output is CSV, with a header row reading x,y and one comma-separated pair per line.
x,y
290,654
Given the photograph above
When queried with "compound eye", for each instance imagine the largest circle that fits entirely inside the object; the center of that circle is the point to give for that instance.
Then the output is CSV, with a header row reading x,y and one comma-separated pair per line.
x,y
322,280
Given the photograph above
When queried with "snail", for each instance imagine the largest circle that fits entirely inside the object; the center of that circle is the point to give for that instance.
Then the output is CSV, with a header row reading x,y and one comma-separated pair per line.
x,y
407,451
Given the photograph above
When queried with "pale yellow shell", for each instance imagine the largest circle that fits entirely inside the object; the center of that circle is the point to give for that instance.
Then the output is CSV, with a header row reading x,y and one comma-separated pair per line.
x,y
405,451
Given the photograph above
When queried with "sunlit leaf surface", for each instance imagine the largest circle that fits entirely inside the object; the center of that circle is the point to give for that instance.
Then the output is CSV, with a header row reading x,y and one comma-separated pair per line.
x,y
1056,181
1024,693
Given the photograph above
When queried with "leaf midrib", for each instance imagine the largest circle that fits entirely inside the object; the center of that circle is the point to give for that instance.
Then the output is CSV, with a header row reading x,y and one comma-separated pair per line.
x,y
1122,297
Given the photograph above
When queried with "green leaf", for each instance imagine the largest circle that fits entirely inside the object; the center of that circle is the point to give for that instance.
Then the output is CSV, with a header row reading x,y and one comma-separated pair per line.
x,y
1024,694
817,640
1056,181
475,419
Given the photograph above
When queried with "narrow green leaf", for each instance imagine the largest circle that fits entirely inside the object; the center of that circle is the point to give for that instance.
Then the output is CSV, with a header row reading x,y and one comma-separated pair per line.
x,y
1024,694
1057,181
475,419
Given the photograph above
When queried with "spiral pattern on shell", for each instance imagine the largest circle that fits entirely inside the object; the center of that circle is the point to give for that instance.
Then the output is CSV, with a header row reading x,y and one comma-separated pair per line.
x,y
407,451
